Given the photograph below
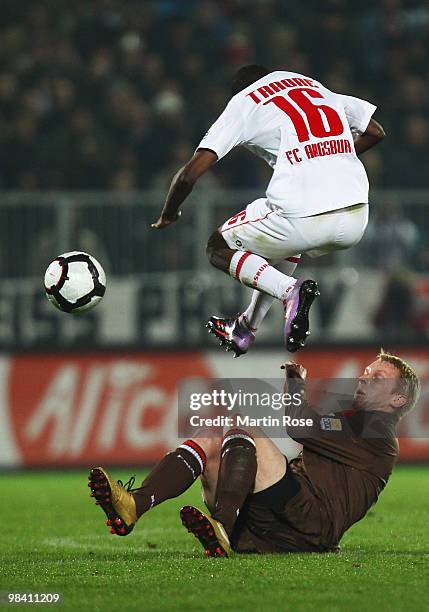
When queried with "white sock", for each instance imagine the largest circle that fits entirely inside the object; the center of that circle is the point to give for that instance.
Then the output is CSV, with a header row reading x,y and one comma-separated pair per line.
x,y
261,303
255,271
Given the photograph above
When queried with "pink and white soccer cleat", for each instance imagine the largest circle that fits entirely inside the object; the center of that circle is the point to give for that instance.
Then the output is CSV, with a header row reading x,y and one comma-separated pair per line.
x,y
297,308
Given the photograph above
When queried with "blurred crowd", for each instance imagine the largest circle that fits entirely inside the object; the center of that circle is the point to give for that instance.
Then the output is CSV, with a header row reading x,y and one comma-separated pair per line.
x,y
115,94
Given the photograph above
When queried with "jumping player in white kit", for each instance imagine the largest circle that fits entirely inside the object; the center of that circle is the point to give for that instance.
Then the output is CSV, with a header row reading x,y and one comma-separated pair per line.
x,y
316,201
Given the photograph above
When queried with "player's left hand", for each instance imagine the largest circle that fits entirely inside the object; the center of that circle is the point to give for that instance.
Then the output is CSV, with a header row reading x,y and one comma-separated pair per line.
x,y
163,221
294,370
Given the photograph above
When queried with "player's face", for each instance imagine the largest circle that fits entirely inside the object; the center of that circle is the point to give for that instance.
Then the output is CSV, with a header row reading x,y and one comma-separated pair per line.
x,y
377,387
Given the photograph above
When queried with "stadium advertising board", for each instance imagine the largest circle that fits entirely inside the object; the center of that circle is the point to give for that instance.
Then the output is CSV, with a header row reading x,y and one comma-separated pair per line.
x,y
173,307
121,408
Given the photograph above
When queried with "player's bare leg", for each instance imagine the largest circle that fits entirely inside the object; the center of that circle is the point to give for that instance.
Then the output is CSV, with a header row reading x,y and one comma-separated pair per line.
x,y
271,465
233,477
255,272
210,475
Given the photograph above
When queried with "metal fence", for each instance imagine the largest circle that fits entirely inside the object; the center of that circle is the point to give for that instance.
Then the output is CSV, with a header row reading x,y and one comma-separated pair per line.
x,y
161,287
115,228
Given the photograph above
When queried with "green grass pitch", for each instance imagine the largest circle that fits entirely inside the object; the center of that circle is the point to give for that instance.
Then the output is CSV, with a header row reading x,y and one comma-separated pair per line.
x,y
54,540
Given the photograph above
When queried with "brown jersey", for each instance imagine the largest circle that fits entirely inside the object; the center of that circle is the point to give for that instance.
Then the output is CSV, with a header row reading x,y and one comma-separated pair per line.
x,y
344,465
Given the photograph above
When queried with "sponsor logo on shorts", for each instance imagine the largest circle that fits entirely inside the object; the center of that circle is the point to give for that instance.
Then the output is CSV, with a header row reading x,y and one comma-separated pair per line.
x,y
239,243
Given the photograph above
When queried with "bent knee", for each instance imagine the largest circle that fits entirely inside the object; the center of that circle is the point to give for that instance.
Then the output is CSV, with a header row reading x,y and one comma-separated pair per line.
x,y
213,246
210,445
210,252
218,251
272,464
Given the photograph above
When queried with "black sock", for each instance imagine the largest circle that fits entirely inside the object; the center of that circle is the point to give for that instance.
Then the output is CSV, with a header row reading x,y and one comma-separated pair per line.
x,y
237,472
171,476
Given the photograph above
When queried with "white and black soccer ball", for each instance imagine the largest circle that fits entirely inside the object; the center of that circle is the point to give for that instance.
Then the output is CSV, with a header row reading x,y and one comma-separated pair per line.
x,y
75,282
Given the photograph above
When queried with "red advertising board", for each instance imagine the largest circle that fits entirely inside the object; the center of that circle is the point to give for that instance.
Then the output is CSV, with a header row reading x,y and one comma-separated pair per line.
x,y
67,410
71,409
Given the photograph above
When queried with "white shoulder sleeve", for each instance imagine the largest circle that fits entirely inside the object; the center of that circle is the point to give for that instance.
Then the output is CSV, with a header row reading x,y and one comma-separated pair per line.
x,y
358,112
226,132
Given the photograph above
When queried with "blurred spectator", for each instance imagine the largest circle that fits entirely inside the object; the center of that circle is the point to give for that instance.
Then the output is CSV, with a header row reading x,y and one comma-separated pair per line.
x,y
410,166
124,180
180,154
80,237
421,310
394,317
391,239
101,95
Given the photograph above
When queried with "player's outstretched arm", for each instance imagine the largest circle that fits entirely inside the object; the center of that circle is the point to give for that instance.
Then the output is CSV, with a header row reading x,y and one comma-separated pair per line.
x,y
182,185
373,134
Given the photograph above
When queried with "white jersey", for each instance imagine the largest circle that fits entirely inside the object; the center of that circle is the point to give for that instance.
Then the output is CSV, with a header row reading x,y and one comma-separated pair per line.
x,y
305,132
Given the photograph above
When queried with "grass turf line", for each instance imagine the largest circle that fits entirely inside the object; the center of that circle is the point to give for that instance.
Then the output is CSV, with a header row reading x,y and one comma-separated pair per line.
x,y
54,540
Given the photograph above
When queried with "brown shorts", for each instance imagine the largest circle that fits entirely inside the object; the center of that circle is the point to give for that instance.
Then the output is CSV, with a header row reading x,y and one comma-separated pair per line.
x,y
286,517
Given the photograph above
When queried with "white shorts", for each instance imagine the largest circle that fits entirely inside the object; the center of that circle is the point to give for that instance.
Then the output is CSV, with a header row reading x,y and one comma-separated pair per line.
x,y
262,231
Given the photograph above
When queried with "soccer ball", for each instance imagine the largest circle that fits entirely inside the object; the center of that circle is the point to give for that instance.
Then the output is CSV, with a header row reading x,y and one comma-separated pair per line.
x,y
75,282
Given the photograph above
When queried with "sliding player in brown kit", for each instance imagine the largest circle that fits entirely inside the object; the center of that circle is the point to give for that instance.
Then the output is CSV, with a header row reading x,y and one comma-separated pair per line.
x,y
316,201
257,500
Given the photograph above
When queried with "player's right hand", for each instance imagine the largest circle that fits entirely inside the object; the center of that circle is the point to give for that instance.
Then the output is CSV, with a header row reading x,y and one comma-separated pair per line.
x,y
294,370
163,221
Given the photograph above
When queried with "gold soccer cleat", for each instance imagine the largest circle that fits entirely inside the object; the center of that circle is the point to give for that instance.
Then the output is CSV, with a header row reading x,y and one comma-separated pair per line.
x,y
209,532
115,499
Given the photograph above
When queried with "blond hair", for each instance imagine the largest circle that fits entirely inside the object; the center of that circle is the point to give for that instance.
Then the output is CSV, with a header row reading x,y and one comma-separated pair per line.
x,y
409,382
